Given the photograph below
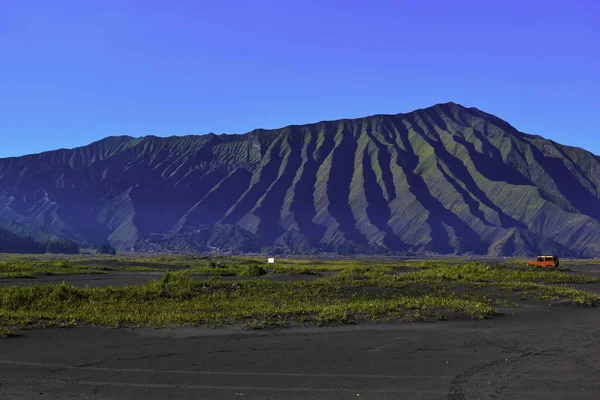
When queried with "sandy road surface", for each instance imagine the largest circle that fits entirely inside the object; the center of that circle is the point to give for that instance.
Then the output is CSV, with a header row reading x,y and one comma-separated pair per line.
x,y
537,353
122,278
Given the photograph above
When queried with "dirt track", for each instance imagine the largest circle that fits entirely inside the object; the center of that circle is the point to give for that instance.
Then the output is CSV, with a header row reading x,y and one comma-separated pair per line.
x,y
533,352
538,353
117,279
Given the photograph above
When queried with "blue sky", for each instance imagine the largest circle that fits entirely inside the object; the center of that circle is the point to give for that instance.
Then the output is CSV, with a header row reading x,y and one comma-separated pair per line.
x,y
72,72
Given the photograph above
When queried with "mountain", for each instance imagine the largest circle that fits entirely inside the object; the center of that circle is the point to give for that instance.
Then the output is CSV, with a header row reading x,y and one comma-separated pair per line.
x,y
11,243
445,179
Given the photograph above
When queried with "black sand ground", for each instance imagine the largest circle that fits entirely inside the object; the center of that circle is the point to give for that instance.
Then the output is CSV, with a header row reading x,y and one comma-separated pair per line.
x,y
118,278
532,352
88,280
538,353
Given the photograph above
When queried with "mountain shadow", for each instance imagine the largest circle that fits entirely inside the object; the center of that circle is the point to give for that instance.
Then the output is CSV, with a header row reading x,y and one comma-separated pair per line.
x,y
438,214
568,185
338,187
266,175
378,210
269,227
459,170
303,203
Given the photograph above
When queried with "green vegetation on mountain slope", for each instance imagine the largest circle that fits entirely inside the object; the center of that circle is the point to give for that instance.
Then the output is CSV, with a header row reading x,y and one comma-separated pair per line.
x,y
446,179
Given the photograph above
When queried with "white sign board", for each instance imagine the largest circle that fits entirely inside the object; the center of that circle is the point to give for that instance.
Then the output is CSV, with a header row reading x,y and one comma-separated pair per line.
x,y
271,261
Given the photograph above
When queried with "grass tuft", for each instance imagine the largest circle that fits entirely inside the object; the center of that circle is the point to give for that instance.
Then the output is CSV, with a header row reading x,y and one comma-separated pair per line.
x,y
252,270
6,332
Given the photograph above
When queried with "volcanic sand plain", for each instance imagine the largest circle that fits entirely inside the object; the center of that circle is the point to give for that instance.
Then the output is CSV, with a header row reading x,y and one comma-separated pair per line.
x,y
536,349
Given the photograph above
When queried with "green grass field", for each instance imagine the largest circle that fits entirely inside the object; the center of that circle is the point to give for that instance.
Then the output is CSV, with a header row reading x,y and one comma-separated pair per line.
x,y
343,292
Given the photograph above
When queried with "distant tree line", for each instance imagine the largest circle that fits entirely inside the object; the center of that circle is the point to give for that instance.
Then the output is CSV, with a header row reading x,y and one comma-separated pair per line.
x,y
14,244
106,249
29,246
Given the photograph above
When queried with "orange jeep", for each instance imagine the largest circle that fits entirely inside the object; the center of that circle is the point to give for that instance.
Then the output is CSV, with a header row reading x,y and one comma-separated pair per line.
x,y
545,261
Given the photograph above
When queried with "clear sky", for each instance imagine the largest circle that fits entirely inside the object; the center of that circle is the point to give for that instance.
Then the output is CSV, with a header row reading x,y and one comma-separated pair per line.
x,y
72,72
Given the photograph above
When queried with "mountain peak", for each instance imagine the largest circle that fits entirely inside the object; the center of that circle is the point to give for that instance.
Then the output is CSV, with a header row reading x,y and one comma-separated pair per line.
x,y
116,138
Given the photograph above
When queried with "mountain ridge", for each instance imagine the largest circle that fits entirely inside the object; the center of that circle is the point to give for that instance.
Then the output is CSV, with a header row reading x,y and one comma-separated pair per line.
x,y
131,138
444,179
449,103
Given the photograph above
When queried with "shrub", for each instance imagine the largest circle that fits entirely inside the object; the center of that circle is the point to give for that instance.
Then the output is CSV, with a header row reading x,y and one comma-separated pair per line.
x,y
7,332
252,270
107,249
307,271
62,246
